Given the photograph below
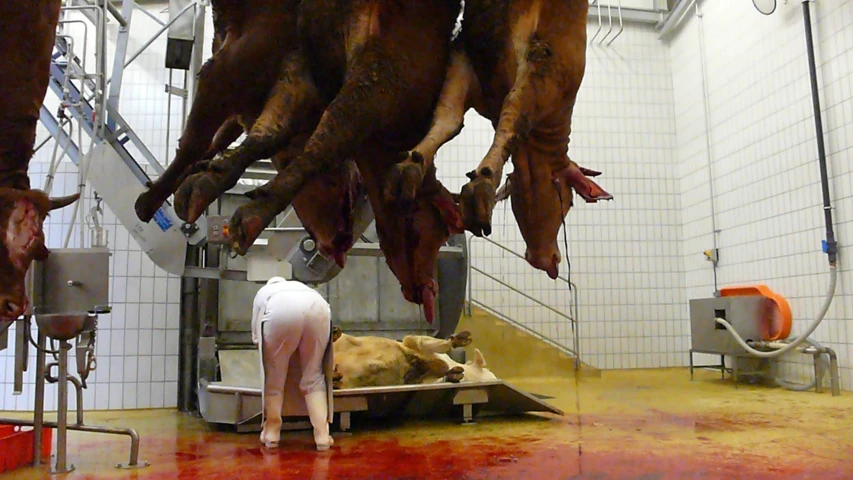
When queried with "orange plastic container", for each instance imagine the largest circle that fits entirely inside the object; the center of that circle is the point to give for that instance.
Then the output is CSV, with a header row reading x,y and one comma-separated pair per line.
x,y
16,446
777,318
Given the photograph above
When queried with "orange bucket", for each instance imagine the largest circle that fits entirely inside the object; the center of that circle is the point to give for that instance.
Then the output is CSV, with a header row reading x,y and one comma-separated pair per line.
x,y
16,446
776,320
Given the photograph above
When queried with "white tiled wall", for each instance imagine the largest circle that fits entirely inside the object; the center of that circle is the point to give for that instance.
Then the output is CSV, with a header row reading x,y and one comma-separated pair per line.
x,y
765,169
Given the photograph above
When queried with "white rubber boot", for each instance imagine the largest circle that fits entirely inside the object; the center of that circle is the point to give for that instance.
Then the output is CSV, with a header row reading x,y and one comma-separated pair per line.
x,y
271,433
318,412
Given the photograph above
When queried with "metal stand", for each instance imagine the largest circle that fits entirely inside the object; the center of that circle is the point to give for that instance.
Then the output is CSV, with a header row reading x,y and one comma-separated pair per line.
x,y
62,425
721,366
68,290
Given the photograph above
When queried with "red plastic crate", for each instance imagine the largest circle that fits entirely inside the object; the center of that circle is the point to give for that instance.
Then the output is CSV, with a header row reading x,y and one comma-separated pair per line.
x,y
16,446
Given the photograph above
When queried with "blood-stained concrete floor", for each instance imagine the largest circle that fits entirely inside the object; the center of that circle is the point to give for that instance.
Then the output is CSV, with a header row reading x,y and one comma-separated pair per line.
x,y
641,424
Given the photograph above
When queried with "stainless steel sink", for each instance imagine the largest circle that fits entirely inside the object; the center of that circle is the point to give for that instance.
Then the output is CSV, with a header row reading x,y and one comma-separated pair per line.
x,y
64,326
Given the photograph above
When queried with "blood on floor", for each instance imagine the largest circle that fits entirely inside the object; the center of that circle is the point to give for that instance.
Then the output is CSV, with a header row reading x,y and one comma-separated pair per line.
x,y
629,425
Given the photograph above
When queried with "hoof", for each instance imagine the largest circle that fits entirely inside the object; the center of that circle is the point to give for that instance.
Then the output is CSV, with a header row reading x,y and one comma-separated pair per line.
x,y
337,379
194,196
145,205
405,179
455,375
244,228
461,339
477,200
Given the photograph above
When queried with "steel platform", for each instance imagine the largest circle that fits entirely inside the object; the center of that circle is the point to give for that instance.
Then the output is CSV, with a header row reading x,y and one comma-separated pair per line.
x,y
236,400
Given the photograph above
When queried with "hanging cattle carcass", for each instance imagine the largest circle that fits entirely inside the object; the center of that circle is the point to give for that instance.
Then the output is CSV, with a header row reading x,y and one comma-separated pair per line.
x,y
251,40
520,64
27,34
368,76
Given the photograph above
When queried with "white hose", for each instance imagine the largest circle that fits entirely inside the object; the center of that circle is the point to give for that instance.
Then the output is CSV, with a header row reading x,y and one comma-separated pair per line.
x,y
833,276
796,387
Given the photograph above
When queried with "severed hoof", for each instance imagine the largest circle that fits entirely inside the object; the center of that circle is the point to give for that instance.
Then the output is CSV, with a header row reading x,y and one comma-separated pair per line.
x,y
147,204
477,200
196,193
246,225
455,375
461,339
404,179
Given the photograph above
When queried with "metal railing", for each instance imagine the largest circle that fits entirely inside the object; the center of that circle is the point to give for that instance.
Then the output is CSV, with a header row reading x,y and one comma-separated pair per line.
x,y
574,350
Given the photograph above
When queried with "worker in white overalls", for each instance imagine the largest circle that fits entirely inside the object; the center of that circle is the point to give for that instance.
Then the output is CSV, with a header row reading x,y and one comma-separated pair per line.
x,y
290,317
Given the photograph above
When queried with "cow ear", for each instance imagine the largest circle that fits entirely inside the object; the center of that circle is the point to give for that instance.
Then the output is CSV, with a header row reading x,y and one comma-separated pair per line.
x,y
577,177
478,358
506,189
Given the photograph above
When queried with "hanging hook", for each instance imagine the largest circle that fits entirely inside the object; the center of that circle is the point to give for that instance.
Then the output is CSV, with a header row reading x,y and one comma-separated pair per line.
x,y
599,21
620,24
610,21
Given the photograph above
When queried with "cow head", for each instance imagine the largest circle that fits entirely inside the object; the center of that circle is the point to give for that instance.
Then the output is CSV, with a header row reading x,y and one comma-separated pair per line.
x,y
410,236
22,214
325,206
541,196
471,371
476,370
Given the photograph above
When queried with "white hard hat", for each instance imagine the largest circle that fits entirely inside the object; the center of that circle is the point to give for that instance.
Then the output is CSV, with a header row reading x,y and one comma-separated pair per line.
x,y
275,280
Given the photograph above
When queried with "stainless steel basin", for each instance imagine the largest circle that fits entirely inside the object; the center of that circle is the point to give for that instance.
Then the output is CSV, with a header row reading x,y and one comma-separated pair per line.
x,y
64,326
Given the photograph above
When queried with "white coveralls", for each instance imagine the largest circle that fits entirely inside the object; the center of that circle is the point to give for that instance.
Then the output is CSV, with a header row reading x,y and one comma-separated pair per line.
x,y
290,317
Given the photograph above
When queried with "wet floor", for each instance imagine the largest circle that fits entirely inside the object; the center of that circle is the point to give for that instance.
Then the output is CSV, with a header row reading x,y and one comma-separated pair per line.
x,y
625,425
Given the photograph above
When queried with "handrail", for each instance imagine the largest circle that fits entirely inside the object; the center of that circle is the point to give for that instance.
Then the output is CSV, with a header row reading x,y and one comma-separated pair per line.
x,y
533,299
565,279
573,318
526,329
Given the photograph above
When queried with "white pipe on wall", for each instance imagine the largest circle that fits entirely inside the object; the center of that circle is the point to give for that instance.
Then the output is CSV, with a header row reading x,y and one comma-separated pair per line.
x,y
706,103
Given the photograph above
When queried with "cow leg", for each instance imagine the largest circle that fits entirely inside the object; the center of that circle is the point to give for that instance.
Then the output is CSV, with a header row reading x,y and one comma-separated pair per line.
x,y
215,101
365,102
293,103
477,198
430,345
461,87
227,134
